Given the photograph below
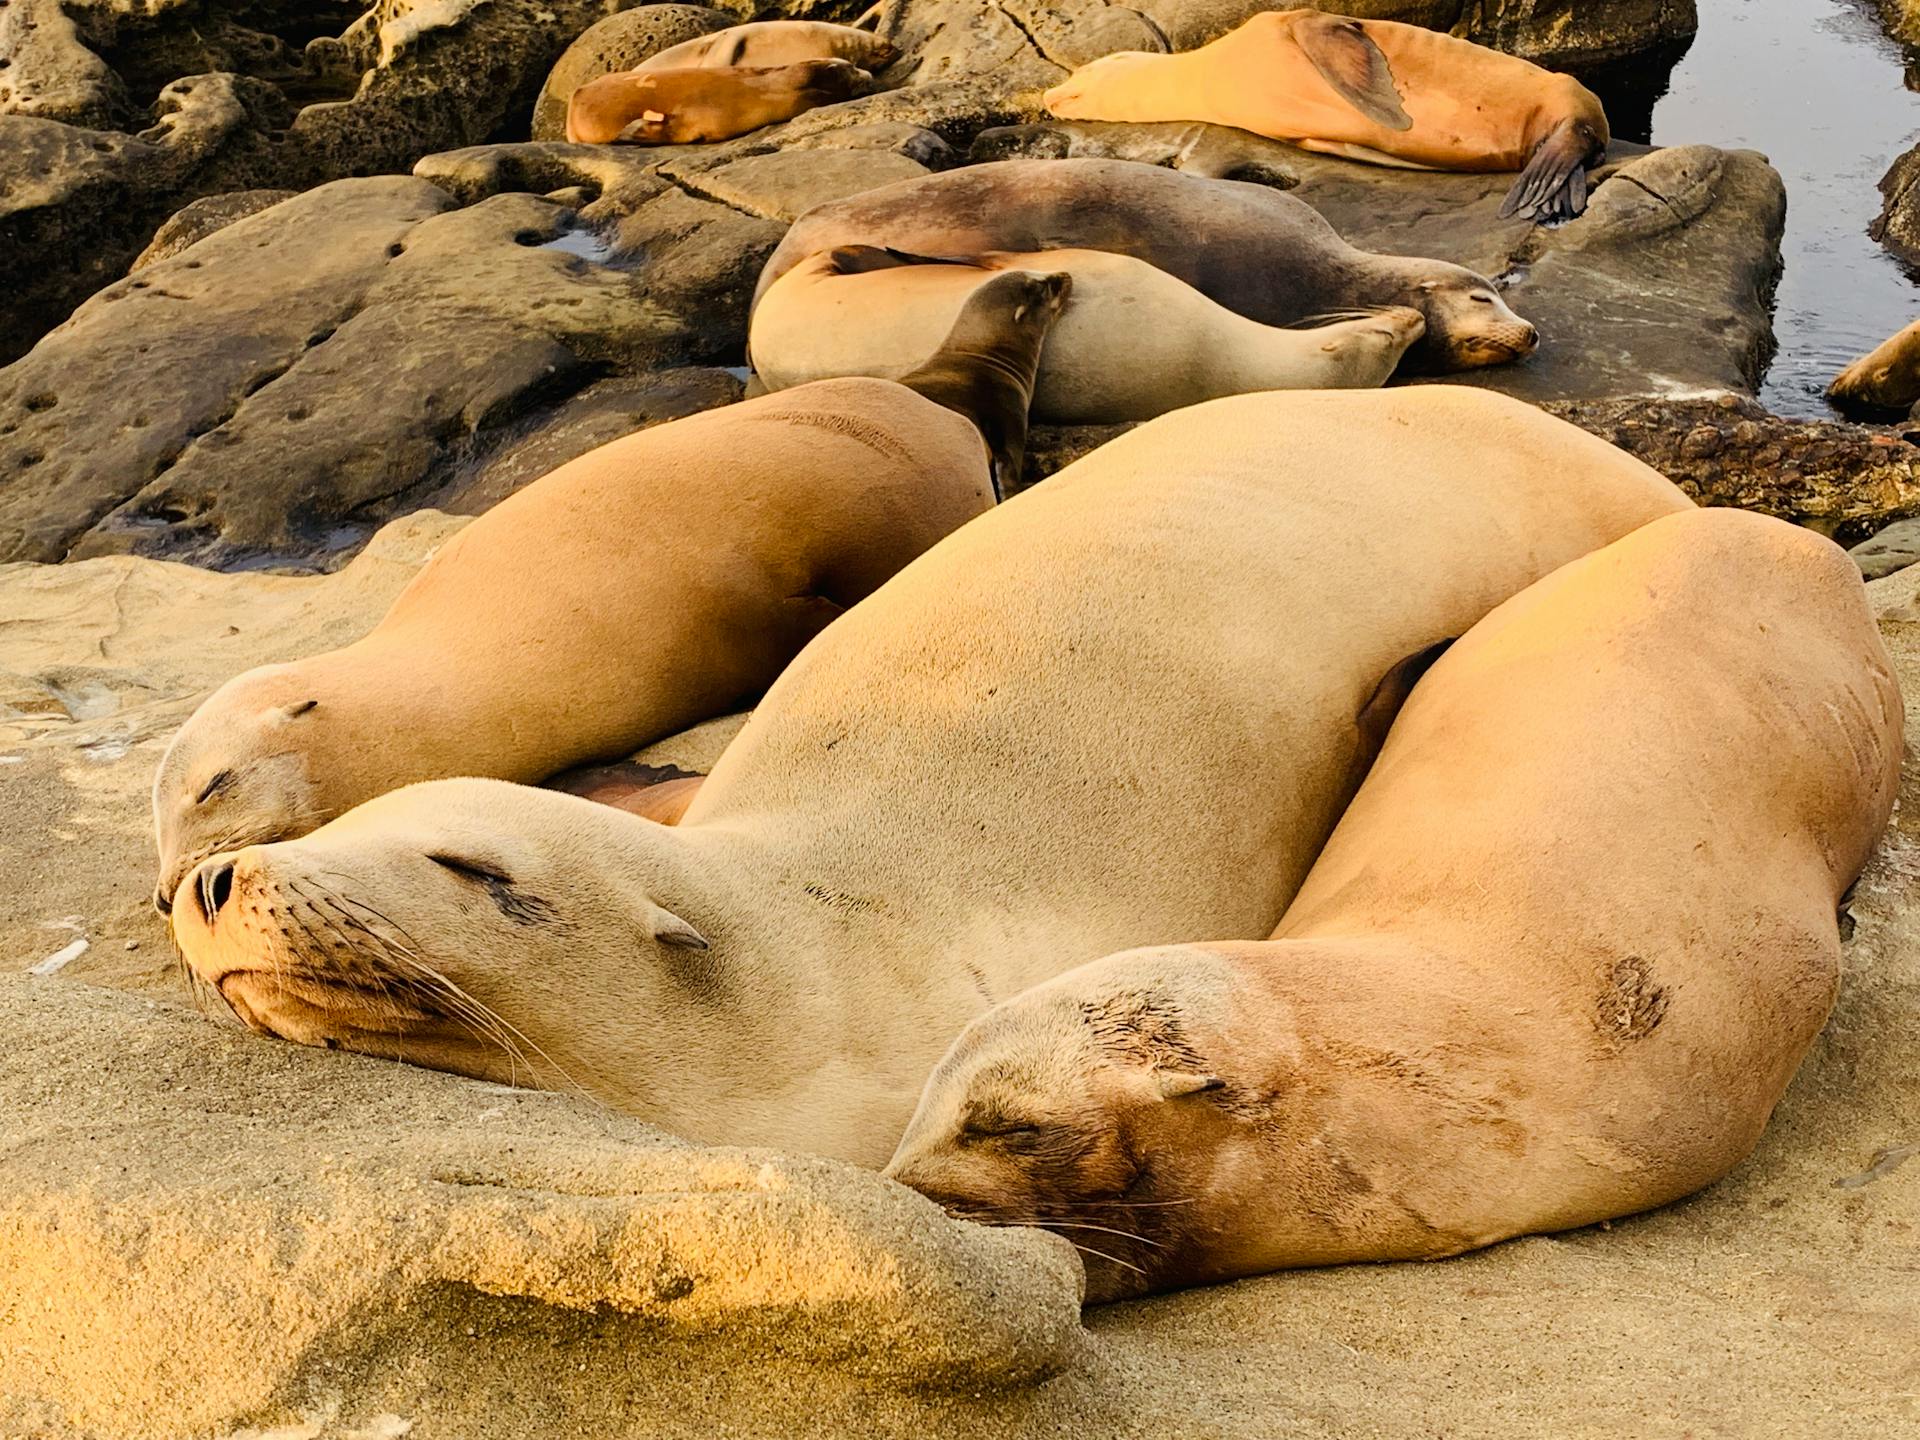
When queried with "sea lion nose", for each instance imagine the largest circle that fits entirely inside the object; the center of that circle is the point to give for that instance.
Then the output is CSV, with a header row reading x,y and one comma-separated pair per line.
x,y
162,900
216,888
1529,336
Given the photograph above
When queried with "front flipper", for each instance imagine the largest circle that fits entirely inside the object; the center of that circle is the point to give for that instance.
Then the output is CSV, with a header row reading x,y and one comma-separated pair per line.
x,y
1554,184
1348,60
864,259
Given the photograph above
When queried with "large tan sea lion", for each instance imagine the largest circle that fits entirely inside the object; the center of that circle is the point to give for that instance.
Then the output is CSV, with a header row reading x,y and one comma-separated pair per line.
x,y
1125,707
1260,252
1132,343
1557,963
764,44
1373,90
1887,378
655,582
694,106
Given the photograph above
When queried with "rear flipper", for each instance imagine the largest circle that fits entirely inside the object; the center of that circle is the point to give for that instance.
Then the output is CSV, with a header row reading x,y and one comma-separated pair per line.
x,y
1554,184
864,259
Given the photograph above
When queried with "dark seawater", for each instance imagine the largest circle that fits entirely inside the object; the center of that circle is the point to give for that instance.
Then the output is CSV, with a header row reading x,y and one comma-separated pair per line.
x,y
1818,87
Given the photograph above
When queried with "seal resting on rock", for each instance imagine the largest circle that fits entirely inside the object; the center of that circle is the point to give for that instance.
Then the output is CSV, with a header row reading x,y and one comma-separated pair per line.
x,y
766,44
1260,252
1373,90
1132,343
693,106
1886,379
1557,963
1124,708
655,582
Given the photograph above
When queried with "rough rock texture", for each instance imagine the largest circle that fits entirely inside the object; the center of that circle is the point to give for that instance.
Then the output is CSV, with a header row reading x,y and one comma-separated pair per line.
x,y
248,1223
356,345
1845,481
194,222
619,42
1889,551
325,1193
1902,19
1898,226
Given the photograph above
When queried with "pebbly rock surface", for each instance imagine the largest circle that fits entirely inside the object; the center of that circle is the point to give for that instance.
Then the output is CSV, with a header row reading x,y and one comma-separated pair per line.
x,y
1898,224
207,1233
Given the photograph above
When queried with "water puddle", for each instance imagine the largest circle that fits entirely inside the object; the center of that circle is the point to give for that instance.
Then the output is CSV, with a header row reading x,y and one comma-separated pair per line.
x,y
1818,87
587,244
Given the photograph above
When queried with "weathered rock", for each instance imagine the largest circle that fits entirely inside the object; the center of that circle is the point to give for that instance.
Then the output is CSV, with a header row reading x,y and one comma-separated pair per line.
x,y
619,42
194,222
1902,19
1889,551
248,1228
281,387
1846,481
1898,225
49,71
77,205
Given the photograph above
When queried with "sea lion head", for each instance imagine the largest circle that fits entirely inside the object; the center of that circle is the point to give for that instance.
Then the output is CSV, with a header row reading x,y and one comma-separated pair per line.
x,y
1886,380
239,772
1469,323
1085,1106
494,930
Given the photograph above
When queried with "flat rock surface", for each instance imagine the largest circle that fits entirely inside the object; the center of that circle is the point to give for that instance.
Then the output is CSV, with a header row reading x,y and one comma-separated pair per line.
x,y
251,1235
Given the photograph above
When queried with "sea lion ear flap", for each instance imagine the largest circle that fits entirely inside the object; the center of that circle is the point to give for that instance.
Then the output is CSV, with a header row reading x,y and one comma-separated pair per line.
x,y
1358,70
1174,1084
297,709
670,929
1376,717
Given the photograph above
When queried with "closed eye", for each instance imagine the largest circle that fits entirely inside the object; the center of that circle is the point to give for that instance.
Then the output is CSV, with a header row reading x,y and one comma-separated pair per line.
x,y
1482,299
1014,1131
467,870
214,786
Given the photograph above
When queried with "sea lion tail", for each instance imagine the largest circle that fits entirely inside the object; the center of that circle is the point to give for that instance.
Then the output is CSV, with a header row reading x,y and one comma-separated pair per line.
x,y
985,369
1554,184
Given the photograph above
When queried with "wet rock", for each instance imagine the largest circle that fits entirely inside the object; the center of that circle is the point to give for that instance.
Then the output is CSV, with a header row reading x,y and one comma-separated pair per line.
x,y
1902,18
1898,225
275,391
619,42
193,223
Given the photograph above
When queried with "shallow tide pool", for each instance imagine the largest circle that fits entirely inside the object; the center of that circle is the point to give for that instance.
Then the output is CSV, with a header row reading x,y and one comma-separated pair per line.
x,y
1818,87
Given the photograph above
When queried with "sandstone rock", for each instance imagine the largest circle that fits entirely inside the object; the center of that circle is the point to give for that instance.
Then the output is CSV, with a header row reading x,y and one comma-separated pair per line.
x,y
1890,550
250,1232
193,223
353,345
619,42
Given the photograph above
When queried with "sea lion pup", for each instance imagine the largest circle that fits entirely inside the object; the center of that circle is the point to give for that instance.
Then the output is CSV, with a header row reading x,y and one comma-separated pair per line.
x,y
655,582
1557,963
1886,379
693,106
764,44
1260,252
1123,708
1131,343
1373,90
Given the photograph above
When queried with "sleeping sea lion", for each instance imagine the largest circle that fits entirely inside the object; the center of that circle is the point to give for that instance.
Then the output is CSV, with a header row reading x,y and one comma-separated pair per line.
x,y
1260,252
657,581
1557,963
1123,708
1132,342
693,106
765,44
1373,90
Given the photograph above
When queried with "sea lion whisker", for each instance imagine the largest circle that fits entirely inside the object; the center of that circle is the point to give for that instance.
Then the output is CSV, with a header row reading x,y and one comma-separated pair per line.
x,y
1110,1259
1052,1223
